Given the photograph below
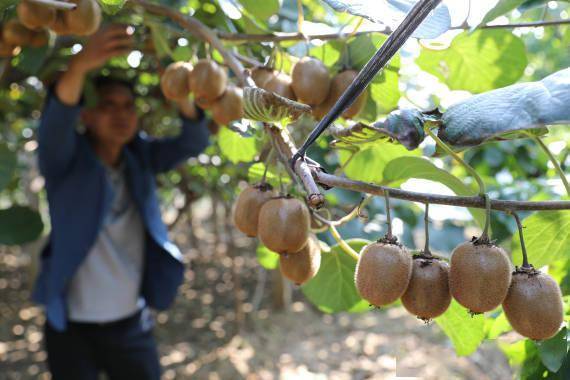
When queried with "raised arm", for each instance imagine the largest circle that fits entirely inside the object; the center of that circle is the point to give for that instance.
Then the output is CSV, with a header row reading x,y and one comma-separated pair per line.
x,y
167,153
56,135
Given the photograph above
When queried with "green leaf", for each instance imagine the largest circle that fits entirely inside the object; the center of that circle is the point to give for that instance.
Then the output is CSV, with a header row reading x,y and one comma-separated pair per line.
x,y
361,48
7,3
466,332
332,289
368,164
385,91
267,258
235,147
498,326
545,238
478,61
8,161
553,351
255,173
19,224
160,40
502,7
262,10
112,6
403,168
31,60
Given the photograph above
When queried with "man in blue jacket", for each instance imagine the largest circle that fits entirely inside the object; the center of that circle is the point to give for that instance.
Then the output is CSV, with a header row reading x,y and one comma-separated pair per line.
x,y
109,257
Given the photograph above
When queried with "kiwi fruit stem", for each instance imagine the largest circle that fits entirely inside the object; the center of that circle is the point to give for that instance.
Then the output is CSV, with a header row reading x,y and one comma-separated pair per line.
x,y
525,264
427,251
389,235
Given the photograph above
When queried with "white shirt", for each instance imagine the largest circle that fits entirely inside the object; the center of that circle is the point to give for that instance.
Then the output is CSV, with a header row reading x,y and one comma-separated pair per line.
x,y
106,286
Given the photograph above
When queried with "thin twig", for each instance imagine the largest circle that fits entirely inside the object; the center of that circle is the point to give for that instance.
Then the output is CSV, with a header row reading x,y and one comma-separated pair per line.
x,y
523,247
450,200
60,5
280,37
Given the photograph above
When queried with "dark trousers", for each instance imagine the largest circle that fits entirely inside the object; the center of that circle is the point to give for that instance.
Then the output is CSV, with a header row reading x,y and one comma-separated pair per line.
x,y
123,349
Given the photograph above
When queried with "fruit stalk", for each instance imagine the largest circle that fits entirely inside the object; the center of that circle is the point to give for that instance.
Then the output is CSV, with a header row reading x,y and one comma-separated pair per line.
x,y
521,237
555,163
427,251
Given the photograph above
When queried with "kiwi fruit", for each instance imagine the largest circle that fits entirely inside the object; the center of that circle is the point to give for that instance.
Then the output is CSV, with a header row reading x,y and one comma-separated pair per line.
x,y
83,20
480,276
247,206
281,85
229,107
339,84
383,272
6,50
208,81
301,266
533,305
283,225
204,103
311,81
16,34
427,295
35,16
261,75
174,82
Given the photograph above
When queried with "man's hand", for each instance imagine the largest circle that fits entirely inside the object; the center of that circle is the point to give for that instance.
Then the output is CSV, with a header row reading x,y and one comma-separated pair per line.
x,y
187,108
108,42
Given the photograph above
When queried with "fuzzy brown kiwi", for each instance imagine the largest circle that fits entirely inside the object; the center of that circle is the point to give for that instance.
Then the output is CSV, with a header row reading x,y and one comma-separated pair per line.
x,y
83,20
383,272
533,305
6,50
204,103
283,225
35,16
281,85
229,107
311,81
248,205
58,24
209,80
16,34
301,266
480,276
339,84
174,82
427,295
261,75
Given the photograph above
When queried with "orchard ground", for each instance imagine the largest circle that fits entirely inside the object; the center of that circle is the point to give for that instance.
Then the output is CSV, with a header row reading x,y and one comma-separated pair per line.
x,y
199,336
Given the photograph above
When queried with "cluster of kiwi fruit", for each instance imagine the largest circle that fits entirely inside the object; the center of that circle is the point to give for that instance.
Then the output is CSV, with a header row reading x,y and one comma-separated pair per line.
x,y
282,223
479,277
310,83
208,81
84,20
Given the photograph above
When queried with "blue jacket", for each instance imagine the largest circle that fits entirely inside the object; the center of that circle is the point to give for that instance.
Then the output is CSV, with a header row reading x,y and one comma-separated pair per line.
x,y
79,196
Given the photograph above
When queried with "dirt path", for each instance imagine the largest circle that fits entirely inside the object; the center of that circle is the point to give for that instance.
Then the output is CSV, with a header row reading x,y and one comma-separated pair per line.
x,y
199,340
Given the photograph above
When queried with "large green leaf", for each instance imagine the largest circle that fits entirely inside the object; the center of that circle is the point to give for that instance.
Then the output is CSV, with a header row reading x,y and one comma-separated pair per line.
x,y
262,10
31,60
466,332
112,6
235,147
19,224
502,7
332,289
368,164
509,113
266,257
403,168
361,48
160,40
8,161
546,238
385,91
478,61
553,351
